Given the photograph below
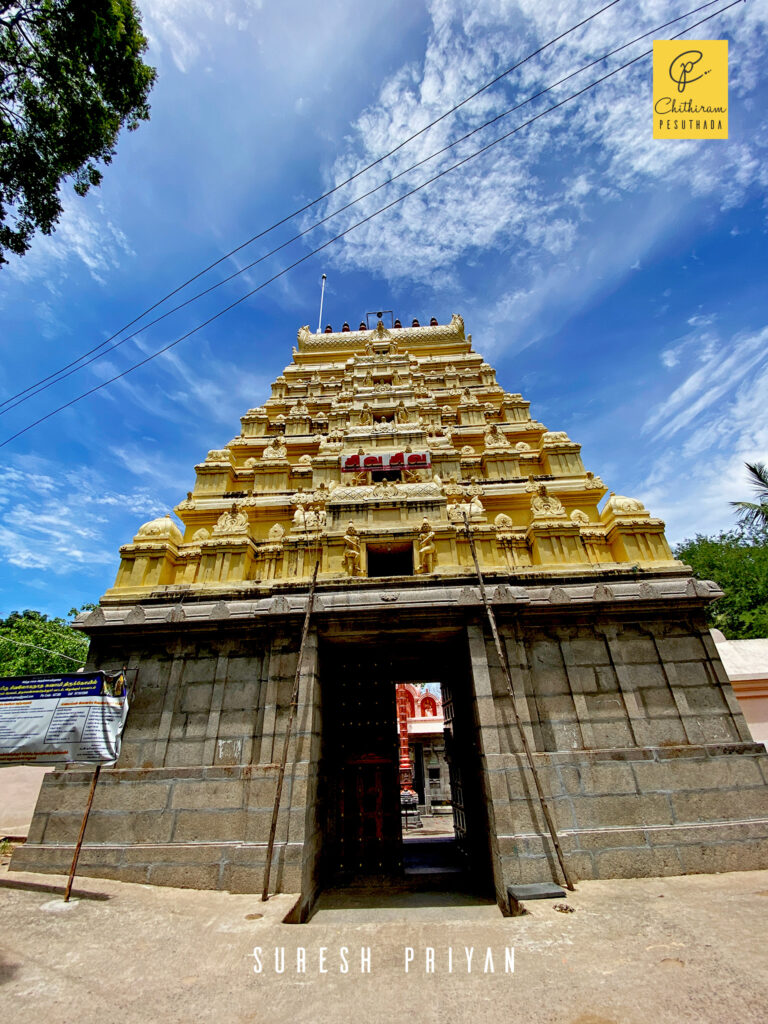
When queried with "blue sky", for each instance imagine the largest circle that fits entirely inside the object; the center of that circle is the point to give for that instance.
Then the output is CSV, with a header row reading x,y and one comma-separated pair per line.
x,y
617,281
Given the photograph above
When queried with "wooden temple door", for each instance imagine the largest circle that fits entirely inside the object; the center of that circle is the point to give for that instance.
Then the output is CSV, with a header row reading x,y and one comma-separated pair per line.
x,y
370,825
363,834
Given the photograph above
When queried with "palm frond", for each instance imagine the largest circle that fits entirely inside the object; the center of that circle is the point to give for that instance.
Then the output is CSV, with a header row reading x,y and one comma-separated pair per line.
x,y
758,472
750,514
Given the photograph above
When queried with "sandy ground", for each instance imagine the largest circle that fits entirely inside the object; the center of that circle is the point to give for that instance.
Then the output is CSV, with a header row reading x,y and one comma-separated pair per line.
x,y
660,950
19,787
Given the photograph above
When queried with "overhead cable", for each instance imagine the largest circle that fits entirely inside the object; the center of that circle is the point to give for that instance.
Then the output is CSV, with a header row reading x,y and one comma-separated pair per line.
x,y
314,202
198,295
364,220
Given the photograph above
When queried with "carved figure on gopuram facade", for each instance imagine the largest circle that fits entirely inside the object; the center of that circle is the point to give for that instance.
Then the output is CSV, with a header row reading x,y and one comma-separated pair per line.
x,y
352,551
545,504
231,522
427,548
494,438
401,413
275,450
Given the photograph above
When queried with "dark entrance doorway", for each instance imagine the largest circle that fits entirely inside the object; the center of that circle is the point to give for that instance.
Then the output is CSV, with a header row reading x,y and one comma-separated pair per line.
x,y
360,806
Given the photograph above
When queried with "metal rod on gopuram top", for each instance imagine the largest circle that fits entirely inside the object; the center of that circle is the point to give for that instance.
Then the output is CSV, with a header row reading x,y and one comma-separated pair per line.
x,y
79,843
322,296
288,728
526,746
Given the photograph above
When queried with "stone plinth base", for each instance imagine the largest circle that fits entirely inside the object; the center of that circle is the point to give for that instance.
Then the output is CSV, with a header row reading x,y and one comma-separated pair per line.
x,y
635,813
196,828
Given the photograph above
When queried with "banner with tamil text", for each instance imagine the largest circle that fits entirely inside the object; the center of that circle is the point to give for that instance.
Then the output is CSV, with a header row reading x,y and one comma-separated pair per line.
x,y
53,719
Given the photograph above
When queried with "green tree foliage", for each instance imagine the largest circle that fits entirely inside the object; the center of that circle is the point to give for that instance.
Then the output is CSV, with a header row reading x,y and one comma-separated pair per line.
x,y
31,643
71,76
738,562
754,514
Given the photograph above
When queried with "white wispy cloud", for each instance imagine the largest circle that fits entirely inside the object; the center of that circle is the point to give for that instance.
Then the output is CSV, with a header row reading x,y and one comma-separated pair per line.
x,y
721,367
58,523
86,236
541,194
200,393
723,404
181,29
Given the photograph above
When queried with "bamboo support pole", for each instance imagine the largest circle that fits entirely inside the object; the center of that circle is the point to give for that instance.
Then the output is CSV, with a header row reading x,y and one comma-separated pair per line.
x,y
288,729
524,739
79,843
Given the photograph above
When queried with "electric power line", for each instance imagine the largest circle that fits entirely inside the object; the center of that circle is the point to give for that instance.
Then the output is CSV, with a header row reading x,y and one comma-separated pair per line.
x,y
37,647
358,224
63,375
314,202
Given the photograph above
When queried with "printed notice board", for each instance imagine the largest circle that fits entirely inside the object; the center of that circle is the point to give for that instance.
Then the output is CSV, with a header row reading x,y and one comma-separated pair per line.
x,y
53,719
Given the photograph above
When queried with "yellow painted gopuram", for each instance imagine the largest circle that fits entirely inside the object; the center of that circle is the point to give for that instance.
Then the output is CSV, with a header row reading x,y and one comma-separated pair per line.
x,y
374,451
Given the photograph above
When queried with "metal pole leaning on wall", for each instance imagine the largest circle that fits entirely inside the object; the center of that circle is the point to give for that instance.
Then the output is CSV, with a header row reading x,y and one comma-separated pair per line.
x,y
79,843
524,739
288,728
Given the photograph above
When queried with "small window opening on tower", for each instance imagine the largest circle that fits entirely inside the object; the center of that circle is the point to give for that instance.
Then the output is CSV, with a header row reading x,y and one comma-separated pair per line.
x,y
390,559
393,476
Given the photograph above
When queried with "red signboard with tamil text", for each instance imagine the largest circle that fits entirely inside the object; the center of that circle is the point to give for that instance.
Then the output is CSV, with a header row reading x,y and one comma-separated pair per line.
x,y
399,460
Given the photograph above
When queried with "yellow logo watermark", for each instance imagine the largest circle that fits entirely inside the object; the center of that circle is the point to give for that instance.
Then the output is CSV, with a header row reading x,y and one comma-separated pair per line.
x,y
690,88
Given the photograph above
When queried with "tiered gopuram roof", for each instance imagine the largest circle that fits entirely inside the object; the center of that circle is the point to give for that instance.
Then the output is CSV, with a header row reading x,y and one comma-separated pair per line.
x,y
388,440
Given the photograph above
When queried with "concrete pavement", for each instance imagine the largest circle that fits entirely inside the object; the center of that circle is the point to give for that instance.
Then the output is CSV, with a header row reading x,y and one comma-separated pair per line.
x,y
633,951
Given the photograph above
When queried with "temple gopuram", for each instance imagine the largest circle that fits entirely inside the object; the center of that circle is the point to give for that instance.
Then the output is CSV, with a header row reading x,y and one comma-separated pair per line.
x,y
428,501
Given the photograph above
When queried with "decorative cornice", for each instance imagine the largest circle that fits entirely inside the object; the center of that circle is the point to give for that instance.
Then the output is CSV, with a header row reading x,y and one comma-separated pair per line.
x,y
406,337
530,593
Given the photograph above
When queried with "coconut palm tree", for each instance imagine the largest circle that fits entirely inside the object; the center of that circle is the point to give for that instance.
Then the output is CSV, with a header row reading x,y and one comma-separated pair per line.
x,y
754,515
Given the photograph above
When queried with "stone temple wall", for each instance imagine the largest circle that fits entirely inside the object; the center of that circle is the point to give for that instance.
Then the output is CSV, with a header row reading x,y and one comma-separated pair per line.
x,y
641,747
190,800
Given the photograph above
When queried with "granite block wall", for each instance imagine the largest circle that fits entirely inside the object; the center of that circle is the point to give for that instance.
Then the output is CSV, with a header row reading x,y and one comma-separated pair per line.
x,y
635,730
191,798
639,744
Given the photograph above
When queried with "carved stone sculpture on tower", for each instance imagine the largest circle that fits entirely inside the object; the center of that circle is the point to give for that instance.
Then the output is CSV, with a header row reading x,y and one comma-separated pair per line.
x,y
427,548
623,506
494,438
275,450
231,522
545,505
352,551
476,509
401,413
